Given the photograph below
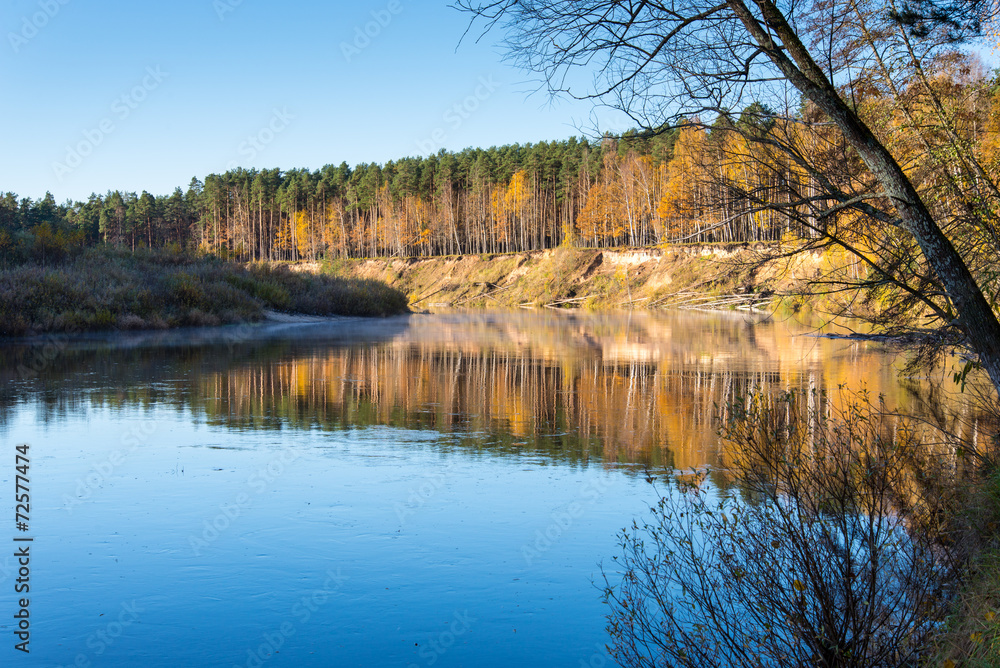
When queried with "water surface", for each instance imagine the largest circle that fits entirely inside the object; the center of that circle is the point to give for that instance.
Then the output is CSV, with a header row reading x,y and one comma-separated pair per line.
x,y
426,490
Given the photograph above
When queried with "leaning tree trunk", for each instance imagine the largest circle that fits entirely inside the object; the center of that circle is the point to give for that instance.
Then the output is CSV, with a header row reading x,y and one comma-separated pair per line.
x,y
976,318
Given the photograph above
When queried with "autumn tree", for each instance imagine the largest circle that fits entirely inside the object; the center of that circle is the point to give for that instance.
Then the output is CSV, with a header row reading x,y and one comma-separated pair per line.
x,y
682,201
660,62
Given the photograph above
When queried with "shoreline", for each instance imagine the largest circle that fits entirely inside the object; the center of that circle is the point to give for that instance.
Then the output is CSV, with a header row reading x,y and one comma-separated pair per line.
x,y
695,277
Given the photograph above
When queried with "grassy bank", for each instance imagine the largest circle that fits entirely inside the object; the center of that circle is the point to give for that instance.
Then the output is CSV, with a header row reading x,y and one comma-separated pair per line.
x,y
108,288
971,636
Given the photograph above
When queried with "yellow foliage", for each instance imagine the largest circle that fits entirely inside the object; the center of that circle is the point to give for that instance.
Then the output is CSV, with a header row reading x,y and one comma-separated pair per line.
x,y
680,199
302,236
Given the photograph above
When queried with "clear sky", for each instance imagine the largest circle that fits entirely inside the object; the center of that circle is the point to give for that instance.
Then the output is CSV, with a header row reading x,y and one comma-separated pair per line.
x,y
106,94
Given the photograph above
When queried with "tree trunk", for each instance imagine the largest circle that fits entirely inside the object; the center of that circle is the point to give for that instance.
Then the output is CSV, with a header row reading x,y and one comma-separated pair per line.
x,y
975,316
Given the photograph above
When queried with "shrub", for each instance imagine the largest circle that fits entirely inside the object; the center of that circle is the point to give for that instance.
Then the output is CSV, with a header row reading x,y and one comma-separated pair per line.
x,y
810,562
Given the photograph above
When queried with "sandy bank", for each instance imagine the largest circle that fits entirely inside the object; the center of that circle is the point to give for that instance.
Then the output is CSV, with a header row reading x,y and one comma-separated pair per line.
x,y
713,277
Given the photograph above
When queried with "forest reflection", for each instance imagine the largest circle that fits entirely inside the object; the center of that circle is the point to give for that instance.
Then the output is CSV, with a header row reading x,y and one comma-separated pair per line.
x,y
635,387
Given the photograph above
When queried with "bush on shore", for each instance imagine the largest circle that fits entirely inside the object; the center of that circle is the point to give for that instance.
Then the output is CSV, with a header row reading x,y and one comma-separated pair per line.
x,y
107,288
840,546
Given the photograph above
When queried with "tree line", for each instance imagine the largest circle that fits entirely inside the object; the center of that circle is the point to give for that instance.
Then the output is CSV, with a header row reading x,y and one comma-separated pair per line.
x,y
697,181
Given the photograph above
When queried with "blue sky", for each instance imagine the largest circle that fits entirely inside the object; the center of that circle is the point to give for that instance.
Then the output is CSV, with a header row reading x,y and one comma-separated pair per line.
x,y
103,94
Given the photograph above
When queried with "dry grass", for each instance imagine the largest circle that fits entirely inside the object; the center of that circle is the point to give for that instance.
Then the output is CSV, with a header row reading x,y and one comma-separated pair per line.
x,y
971,638
106,288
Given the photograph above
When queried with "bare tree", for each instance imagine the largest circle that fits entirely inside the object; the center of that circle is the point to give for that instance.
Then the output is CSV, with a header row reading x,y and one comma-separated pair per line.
x,y
666,61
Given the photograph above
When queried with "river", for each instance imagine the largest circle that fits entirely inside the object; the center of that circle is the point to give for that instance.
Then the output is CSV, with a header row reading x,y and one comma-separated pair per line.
x,y
430,490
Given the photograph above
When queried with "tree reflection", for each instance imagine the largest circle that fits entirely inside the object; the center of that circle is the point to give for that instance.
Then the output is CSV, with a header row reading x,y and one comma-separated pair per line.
x,y
627,388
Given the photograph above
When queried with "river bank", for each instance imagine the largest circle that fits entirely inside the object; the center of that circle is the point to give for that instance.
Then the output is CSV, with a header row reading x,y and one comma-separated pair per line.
x,y
106,288
683,276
